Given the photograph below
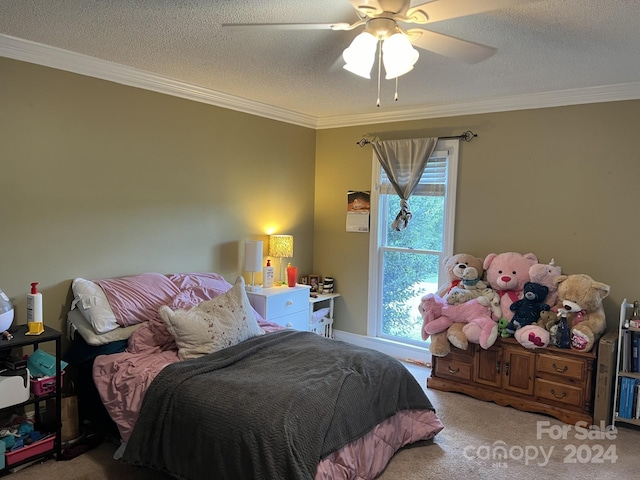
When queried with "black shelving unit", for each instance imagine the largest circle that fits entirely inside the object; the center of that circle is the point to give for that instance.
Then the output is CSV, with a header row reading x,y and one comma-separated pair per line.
x,y
21,339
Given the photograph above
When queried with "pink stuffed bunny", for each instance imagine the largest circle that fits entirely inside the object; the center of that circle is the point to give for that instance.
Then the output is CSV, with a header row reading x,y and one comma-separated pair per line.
x,y
438,315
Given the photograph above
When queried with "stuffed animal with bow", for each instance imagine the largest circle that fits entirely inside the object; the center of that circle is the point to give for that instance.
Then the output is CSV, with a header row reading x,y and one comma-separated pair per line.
x,y
507,273
581,299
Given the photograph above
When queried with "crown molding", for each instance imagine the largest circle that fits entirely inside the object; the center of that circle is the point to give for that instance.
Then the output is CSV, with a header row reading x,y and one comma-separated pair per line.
x,y
560,98
32,52
48,56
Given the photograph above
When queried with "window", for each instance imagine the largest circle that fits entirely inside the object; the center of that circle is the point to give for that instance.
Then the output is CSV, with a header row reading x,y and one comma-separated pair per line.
x,y
406,265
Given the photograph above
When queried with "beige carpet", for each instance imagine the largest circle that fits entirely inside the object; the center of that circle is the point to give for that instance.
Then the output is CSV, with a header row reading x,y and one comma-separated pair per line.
x,y
462,450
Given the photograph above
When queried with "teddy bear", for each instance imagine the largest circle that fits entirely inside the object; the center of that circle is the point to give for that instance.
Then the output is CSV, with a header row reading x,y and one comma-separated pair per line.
x,y
473,287
540,334
507,273
581,299
526,311
440,345
545,275
470,287
454,267
438,316
547,319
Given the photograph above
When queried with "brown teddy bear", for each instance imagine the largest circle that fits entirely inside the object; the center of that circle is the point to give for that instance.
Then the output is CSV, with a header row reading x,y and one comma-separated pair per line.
x,y
581,298
548,319
454,266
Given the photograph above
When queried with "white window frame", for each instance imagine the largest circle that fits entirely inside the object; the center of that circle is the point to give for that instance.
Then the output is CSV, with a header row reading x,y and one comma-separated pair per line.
x,y
444,148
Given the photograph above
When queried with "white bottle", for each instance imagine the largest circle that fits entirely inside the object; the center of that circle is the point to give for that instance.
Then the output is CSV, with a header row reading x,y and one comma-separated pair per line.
x,y
268,275
34,304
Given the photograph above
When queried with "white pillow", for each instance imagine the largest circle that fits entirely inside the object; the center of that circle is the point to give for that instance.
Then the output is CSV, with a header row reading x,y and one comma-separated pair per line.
x,y
212,325
93,304
77,322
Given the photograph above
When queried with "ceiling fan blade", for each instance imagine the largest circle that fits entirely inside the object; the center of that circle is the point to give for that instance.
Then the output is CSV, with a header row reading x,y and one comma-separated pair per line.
x,y
468,52
290,26
367,7
439,10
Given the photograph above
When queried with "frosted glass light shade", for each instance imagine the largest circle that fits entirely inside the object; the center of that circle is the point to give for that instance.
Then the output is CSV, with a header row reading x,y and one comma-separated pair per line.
x,y
398,55
253,255
281,246
360,55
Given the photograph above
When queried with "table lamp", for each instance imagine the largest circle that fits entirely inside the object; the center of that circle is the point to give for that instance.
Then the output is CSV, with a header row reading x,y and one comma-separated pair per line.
x,y
253,261
281,246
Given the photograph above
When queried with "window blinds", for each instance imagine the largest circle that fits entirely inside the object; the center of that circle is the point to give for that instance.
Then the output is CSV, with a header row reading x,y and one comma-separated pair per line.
x,y
432,181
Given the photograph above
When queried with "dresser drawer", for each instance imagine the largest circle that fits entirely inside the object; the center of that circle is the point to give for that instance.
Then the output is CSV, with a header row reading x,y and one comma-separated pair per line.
x,y
295,320
559,392
452,368
464,356
564,367
287,303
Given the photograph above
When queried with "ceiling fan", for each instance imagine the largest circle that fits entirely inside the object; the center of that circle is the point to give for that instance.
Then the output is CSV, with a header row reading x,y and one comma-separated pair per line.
x,y
384,32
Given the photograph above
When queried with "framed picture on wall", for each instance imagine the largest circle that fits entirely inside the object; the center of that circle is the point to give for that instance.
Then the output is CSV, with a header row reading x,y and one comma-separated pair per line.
x,y
314,281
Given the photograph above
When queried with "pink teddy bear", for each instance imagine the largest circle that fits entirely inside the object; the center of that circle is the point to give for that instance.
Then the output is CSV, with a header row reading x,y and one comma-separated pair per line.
x,y
546,275
438,315
507,273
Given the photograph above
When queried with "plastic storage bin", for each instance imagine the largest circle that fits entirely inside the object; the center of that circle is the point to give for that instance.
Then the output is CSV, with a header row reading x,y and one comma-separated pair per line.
x,y
45,385
14,387
36,448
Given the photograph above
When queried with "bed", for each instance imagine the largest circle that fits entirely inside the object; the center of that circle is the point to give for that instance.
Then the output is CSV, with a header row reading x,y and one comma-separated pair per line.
x,y
205,388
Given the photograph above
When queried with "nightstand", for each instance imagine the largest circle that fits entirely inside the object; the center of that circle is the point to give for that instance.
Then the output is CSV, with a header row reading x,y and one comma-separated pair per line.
x,y
324,325
286,306
41,448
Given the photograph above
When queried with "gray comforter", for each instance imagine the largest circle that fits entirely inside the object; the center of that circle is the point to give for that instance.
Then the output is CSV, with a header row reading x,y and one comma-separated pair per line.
x,y
268,408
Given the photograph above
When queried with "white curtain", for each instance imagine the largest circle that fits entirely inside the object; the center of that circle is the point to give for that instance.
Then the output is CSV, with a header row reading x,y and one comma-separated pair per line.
x,y
404,161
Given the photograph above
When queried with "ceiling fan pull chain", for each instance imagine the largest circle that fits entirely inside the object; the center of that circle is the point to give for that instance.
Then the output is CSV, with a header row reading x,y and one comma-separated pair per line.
x,y
396,96
379,70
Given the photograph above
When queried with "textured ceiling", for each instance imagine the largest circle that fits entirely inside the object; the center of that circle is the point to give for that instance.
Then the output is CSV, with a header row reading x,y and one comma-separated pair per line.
x,y
542,46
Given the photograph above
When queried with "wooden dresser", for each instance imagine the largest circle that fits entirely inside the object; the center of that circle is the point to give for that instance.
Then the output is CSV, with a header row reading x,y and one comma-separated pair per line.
x,y
554,381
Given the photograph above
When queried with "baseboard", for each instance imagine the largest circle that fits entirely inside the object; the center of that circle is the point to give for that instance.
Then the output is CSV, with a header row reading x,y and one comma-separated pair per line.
x,y
392,348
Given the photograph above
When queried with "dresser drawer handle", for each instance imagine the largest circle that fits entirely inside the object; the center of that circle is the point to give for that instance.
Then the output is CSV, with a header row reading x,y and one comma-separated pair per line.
x,y
553,392
289,302
457,370
558,370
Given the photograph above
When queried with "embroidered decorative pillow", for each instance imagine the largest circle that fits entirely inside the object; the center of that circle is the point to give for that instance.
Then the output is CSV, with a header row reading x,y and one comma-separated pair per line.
x,y
212,325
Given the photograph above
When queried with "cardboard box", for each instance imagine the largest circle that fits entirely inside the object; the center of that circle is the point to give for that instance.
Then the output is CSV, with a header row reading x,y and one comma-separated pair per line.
x,y
605,379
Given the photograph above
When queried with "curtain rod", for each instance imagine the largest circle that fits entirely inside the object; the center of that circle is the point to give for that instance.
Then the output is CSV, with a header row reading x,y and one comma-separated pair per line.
x,y
465,137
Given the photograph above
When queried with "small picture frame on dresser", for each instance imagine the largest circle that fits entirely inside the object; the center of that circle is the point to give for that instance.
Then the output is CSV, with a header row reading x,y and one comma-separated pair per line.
x,y
304,280
314,282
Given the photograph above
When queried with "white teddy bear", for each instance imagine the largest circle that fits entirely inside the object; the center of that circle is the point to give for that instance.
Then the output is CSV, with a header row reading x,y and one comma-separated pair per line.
x,y
473,287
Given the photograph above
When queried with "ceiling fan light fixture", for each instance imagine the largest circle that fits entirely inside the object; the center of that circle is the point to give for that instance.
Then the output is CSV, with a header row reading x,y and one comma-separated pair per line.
x,y
398,55
361,54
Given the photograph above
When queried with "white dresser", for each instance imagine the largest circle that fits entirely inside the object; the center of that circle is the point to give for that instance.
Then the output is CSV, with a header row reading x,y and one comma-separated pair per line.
x,y
286,306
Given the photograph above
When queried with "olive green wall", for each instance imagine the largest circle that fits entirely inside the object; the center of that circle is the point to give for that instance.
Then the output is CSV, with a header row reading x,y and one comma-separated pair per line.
x,y
99,180
559,182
